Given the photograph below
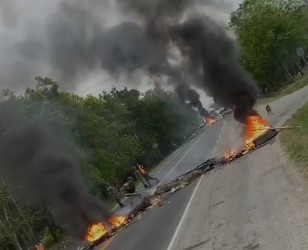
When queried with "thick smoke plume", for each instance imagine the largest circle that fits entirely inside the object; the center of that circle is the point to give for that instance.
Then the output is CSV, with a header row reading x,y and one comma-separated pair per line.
x,y
206,46
77,37
38,163
187,94
210,57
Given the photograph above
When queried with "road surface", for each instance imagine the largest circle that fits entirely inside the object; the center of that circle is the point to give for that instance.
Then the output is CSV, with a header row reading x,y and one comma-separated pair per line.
x,y
155,229
255,202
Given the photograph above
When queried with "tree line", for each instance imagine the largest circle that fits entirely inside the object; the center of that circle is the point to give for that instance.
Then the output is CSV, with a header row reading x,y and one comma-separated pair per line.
x,y
119,128
108,134
273,36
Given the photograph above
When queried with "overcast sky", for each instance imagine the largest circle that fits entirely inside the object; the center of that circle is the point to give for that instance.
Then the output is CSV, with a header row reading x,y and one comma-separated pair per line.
x,y
26,50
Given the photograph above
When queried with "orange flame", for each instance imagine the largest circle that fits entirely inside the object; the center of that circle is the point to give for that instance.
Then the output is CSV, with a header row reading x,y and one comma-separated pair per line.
x,y
209,120
230,155
118,221
98,230
255,127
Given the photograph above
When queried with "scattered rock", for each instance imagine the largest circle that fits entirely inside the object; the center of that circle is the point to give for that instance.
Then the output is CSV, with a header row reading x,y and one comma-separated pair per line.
x,y
251,246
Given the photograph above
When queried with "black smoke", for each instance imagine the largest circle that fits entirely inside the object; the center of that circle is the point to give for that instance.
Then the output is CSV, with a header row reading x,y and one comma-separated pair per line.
x,y
191,96
77,38
210,57
73,41
206,45
43,172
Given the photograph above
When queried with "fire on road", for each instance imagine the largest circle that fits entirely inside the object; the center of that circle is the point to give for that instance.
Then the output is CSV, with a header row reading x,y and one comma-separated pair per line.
x,y
257,132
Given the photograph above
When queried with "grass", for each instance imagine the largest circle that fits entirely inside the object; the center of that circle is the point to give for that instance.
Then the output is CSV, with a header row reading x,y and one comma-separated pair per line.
x,y
290,89
295,141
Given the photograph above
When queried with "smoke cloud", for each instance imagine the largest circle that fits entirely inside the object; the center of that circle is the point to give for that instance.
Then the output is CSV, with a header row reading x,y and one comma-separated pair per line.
x,y
206,46
210,58
187,94
67,40
36,160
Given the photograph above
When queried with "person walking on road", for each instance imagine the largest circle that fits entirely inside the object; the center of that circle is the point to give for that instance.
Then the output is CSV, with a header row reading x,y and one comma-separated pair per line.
x,y
138,176
114,193
146,175
268,109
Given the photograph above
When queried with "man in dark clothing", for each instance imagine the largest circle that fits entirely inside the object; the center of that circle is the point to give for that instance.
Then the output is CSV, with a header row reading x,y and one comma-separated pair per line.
x,y
268,109
115,194
129,186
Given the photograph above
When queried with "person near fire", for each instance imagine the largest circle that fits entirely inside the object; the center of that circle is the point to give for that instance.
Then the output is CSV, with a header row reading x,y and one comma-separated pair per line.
x,y
39,247
138,176
130,189
146,175
114,193
129,185
268,109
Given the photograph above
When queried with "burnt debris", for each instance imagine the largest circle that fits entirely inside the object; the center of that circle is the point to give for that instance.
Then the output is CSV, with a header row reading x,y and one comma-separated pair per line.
x,y
164,191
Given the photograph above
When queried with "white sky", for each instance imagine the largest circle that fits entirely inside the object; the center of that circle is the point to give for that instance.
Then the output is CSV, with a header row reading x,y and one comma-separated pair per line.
x,y
99,82
21,18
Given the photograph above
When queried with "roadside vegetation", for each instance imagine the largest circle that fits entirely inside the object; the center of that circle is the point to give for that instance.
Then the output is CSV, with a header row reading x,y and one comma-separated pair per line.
x,y
274,42
295,141
117,129
301,83
108,134
273,38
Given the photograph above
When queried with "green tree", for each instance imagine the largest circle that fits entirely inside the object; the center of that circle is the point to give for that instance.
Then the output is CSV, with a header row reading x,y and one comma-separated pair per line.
x,y
107,134
269,33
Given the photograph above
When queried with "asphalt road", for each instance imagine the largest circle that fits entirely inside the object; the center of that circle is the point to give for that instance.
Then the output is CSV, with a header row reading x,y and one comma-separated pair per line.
x,y
257,202
155,230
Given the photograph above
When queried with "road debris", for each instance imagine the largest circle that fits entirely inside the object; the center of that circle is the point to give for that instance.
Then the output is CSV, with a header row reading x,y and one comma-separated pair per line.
x,y
278,128
164,191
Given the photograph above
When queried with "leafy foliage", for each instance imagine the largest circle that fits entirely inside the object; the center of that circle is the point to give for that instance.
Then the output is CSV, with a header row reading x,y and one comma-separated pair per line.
x,y
270,32
108,134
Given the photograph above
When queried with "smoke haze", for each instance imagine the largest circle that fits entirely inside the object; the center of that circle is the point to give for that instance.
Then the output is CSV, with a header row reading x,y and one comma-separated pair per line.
x,y
206,45
68,40
37,160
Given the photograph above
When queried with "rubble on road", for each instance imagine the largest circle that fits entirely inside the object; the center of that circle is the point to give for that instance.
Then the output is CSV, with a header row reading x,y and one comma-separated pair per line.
x,y
164,191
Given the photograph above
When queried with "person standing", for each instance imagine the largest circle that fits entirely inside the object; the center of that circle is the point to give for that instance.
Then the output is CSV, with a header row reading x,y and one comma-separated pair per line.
x,y
268,109
129,185
130,188
138,176
146,175
113,192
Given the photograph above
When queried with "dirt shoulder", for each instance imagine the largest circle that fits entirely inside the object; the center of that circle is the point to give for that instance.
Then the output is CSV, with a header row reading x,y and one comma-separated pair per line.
x,y
295,141
256,202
